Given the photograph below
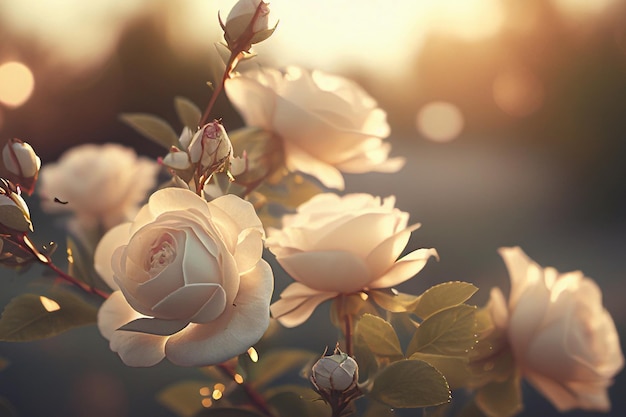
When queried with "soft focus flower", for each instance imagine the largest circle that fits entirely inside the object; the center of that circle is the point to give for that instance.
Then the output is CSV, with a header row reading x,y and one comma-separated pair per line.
x,y
189,279
340,245
100,184
21,163
327,124
247,24
563,340
210,147
336,372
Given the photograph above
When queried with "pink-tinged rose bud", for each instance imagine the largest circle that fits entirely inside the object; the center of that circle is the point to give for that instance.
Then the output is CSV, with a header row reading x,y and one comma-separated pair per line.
x,y
21,164
210,147
14,213
338,372
247,24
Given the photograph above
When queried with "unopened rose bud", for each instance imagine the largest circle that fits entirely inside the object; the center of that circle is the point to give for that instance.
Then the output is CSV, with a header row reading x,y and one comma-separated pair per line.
x,y
337,372
210,147
247,24
14,213
21,164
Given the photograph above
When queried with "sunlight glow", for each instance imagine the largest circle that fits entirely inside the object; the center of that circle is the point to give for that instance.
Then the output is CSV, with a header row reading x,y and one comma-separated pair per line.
x,y
582,7
254,356
440,121
48,304
238,379
207,402
205,391
518,92
16,83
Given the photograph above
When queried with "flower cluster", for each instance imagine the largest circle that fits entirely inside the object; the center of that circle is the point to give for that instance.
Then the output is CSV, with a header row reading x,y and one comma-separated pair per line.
x,y
180,272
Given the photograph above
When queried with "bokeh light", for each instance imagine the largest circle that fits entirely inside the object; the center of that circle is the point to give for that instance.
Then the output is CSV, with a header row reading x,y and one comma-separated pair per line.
x,y
582,7
518,92
440,121
16,83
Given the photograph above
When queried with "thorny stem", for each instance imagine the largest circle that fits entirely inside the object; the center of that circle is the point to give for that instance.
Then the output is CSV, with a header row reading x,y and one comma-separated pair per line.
x,y
27,245
230,66
257,400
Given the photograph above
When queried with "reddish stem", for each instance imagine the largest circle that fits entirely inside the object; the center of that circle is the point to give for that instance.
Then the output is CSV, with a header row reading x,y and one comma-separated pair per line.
x,y
257,400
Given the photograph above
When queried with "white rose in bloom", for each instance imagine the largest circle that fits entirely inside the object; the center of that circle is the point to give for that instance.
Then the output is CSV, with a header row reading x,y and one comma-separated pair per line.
x,y
327,124
192,284
99,183
563,340
341,245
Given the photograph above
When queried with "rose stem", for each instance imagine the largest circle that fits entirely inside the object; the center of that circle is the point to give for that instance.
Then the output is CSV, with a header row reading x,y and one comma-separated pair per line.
x,y
347,326
257,400
27,245
236,53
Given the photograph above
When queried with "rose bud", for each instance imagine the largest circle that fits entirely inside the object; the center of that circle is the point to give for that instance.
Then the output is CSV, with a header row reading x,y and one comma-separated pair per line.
x,y
21,164
247,24
210,147
14,213
338,372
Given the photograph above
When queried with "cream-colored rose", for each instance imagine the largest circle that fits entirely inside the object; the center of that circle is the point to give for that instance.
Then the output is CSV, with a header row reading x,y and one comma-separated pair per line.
x,y
101,184
563,340
341,245
189,279
237,33
327,124
21,164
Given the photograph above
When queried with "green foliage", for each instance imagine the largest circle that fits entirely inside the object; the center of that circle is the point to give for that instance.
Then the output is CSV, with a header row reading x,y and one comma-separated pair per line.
x,y
188,113
25,318
80,265
394,301
448,332
379,336
409,384
264,152
277,363
442,296
152,127
501,399
183,398
295,400
14,218
454,368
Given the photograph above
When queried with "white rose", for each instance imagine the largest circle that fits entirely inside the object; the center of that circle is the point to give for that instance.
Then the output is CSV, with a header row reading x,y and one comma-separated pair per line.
x,y
100,184
191,284
327,124
563,340
341,245
21,164
236,27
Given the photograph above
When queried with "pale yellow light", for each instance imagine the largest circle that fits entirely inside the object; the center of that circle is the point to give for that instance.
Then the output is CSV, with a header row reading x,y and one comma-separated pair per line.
x,y
582,7
48,304
440,121
16,83
254,356
217,395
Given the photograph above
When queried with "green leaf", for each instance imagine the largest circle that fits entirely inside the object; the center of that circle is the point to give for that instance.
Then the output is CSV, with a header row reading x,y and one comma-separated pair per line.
x,y
448,332
500,399
379,336
227,412
409,384
376,409
291,191
454,368
152,127
25,318
184,398
188,113
80,265
442,296
394,301
296,400
277,363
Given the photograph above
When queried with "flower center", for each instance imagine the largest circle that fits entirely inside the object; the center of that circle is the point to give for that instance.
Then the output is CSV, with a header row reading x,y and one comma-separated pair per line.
x,y
162,253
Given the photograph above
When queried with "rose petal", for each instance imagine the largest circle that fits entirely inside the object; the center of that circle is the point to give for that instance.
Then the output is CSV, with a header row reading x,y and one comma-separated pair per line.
x,y
103,255
296,304
242,325
240,211
249,250
333,271
169,199
135,349
405,268
298,160
253,100
386,253
194,302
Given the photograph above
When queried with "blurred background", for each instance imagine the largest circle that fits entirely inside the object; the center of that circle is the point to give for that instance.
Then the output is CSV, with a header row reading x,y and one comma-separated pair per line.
x,y
511,114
